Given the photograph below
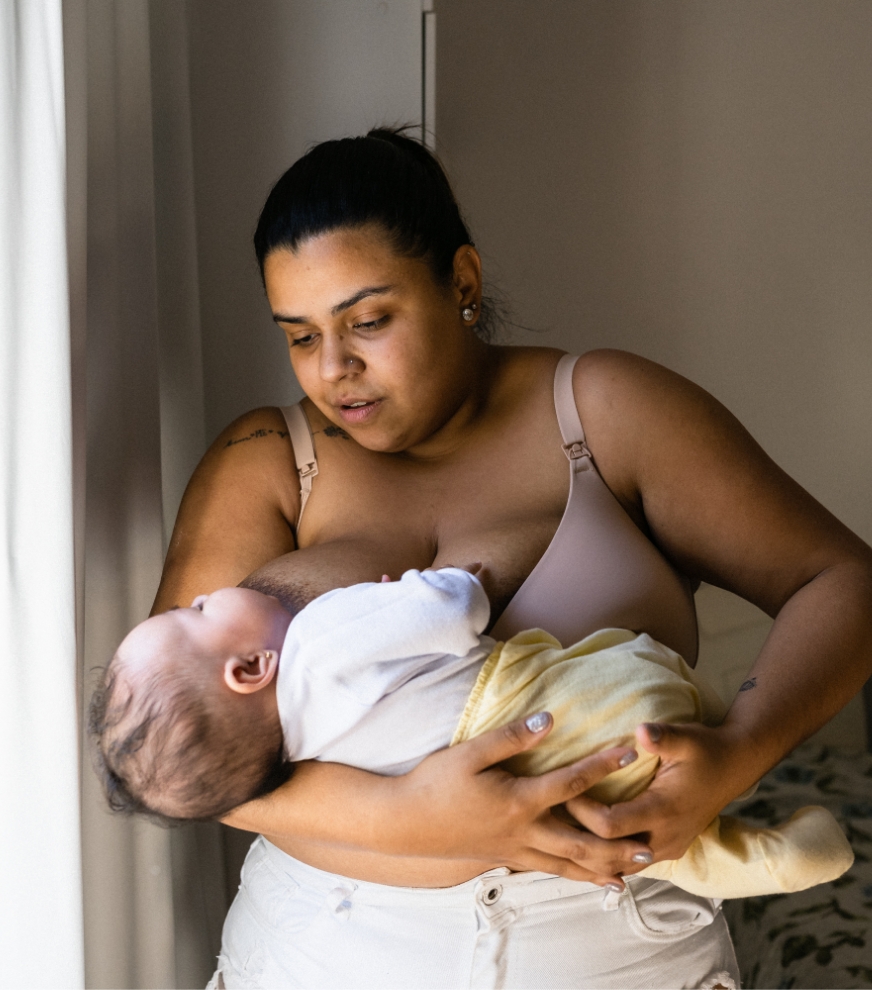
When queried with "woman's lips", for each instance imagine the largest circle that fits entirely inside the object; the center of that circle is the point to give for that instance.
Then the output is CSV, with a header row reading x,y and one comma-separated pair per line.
x,y
356,414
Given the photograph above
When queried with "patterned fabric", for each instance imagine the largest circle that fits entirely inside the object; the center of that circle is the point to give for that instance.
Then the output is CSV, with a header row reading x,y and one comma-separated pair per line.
x,y
820,937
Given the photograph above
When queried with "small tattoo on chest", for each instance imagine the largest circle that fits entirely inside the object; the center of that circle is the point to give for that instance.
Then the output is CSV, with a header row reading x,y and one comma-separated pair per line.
x,y
256,435
335,431
750,683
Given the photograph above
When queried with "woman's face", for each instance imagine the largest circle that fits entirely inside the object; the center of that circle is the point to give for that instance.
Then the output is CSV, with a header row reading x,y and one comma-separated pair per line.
x,y
375,342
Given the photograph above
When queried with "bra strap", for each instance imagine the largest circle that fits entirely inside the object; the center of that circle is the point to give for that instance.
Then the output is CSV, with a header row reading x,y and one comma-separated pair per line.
x,y
304,452
574,445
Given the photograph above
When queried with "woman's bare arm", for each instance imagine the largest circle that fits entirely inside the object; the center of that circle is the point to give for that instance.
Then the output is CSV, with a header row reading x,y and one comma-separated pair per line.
x,y
451,818
724,513
235,514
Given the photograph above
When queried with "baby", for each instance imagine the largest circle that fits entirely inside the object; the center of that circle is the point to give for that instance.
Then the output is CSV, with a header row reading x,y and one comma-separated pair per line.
x,y
203,709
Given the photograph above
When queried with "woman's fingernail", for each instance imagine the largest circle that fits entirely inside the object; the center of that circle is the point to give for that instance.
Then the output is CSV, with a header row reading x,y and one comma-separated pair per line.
x,y
616,887
645,858
628,758
536,723
655,733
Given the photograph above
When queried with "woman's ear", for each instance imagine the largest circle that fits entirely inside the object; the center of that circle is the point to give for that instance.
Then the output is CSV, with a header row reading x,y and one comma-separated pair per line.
x,y
245,675
467,276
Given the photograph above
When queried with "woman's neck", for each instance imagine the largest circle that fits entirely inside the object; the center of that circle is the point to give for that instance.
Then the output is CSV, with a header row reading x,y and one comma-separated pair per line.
x,y
478,372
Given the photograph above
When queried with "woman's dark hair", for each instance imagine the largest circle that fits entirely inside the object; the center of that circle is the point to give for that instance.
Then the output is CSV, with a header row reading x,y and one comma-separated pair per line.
x,y
384,178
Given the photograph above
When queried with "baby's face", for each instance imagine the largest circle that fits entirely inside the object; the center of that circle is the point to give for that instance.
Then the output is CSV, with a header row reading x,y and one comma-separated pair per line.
x,y
228,623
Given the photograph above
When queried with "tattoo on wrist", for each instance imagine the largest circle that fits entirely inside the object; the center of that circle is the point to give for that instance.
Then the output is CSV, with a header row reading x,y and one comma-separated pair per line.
x,y
334,431
749,684
256,435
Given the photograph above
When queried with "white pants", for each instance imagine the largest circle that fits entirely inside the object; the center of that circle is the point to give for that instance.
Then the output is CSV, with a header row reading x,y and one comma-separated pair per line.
x,y
294,926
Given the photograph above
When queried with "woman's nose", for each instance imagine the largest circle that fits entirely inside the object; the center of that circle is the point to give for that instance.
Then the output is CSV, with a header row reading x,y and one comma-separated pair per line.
x,y
337,362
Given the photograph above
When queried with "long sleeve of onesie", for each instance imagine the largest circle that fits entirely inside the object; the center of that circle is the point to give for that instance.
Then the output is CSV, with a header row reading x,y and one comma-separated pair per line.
x,y
352,647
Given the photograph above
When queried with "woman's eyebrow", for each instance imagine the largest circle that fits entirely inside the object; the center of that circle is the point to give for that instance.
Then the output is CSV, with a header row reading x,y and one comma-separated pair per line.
x,y
372,290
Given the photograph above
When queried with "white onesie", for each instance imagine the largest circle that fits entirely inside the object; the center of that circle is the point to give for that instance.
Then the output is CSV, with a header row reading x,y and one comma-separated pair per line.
x,y
347,652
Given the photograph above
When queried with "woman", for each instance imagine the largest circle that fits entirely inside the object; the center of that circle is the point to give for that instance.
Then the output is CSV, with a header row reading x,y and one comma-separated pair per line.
x,y
432,446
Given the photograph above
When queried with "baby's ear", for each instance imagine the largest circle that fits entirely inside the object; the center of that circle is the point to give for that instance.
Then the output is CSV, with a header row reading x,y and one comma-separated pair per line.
x,y
245,675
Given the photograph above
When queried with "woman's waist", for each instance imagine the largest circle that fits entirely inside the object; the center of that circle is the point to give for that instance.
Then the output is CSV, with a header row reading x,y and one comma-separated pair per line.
x,y
373,867
389,877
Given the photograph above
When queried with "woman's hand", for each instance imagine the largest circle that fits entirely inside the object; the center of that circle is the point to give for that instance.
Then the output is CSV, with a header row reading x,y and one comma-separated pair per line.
x,y
699,774
472,807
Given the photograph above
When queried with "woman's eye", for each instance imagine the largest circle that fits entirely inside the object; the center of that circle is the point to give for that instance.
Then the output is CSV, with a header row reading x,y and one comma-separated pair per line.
x,y
302,341
371,324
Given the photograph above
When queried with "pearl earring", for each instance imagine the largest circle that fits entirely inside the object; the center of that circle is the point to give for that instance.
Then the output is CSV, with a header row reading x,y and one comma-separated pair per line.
x,y
468,312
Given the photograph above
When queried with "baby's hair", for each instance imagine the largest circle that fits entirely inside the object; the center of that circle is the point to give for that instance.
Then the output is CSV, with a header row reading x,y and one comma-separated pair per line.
x,y
173,747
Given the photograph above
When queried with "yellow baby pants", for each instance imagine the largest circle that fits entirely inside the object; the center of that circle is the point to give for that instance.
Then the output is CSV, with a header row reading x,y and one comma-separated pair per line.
x,y
598,691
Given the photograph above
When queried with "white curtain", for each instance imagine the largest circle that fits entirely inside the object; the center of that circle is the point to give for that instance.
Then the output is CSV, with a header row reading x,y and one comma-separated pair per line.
x,y
115,902
39,809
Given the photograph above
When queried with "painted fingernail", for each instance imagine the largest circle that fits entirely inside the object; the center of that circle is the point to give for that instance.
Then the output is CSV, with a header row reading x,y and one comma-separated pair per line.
x,y
536,723
628,758
655,733
645,858
616,887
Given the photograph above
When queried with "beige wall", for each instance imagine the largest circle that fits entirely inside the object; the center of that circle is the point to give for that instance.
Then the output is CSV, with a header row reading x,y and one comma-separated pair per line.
x,y
688,180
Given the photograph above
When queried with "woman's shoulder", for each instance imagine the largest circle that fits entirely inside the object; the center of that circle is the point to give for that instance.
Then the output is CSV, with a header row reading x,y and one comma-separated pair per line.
x,y
606,366
618,387
237,512
640,417
255,437
599,361
604,376
253,454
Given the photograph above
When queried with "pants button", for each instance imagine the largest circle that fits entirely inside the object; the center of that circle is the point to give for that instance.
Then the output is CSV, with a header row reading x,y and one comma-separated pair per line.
x,y
492,895
339,902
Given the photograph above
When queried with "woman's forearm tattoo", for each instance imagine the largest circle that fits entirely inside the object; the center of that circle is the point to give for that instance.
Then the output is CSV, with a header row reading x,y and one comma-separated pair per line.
x,y
750,683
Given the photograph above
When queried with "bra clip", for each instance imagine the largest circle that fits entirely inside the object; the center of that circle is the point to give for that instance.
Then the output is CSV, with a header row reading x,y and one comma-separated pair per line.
x,y
576,449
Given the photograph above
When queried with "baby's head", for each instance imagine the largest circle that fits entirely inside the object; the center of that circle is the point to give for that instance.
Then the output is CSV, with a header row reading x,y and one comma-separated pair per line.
x,y
185,720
